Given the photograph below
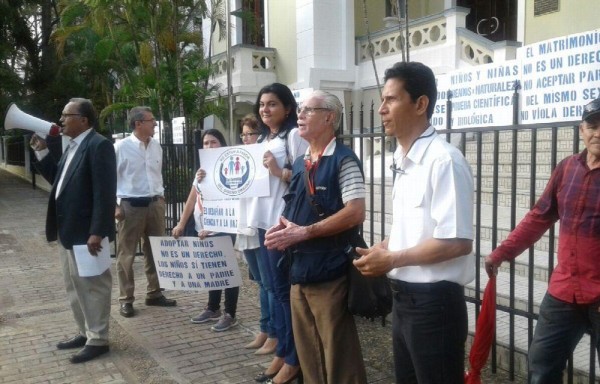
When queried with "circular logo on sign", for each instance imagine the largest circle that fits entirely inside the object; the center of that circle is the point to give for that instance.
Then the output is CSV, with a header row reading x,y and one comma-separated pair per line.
x,y
234,171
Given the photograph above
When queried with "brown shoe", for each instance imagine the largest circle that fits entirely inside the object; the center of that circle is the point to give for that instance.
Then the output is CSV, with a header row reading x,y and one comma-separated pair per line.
x,y
268,347
258,341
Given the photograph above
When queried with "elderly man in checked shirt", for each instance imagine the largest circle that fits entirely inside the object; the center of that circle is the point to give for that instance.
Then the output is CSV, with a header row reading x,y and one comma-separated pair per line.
x,y
572,303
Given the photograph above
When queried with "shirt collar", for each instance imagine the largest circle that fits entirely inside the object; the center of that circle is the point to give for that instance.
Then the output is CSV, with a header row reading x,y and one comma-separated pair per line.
x,y
328,149
583,157
138,142
81,136
417,151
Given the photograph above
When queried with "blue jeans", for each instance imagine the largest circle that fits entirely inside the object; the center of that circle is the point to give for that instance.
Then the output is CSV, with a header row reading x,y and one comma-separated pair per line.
x,y
429,330
282,311
252,256
559,328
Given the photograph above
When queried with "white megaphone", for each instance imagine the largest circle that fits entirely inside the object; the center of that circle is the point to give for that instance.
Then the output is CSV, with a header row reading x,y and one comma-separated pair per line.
x,y
15,118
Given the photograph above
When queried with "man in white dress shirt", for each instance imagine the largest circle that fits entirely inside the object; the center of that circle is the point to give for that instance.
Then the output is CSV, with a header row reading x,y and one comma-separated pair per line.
x,y
140,208
428,254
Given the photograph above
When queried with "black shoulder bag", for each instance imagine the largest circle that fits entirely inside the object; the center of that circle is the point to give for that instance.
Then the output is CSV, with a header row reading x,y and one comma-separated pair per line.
x,y
368,297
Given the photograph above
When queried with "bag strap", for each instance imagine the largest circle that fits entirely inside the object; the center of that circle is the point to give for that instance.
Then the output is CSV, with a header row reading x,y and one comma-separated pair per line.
x,y
288,162
317,209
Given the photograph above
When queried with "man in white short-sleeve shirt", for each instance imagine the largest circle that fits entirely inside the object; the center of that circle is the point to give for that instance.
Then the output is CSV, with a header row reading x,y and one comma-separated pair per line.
x,y
428,255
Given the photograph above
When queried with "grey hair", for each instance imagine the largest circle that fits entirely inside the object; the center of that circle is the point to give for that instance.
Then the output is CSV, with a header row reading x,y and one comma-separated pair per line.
x,y
137,114
331,102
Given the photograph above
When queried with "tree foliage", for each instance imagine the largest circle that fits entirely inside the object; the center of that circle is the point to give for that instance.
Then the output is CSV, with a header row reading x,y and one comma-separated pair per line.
x,y
117,53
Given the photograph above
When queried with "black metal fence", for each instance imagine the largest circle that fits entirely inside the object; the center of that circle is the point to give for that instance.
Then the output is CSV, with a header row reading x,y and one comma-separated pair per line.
x,y
511,166
15,151
179,168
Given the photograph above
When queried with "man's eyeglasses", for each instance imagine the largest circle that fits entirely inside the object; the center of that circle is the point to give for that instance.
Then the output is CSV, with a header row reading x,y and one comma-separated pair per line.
x,y
65,115
244,135
310,110
145,120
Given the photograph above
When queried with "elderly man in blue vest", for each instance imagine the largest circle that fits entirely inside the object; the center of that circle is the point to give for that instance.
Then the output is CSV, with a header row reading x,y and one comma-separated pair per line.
x,y
325,204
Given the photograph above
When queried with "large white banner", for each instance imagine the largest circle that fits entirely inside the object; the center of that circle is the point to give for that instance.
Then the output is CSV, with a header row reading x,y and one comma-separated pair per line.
x,y
234,172
191,264
481,96
557,77
560,76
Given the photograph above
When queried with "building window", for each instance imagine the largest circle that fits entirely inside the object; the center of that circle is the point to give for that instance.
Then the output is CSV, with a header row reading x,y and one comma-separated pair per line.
x,y
253,23
496,20
542,7
391,8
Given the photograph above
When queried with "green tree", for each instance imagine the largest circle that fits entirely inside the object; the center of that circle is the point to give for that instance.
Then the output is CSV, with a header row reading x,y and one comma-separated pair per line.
x,y
27,57
140,52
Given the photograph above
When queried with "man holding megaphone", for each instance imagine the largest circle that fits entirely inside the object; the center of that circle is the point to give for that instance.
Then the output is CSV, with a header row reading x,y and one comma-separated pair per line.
x,y
81,212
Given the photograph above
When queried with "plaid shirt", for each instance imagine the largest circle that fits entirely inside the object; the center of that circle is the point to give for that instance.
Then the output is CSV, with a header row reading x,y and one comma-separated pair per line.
x,y
573,197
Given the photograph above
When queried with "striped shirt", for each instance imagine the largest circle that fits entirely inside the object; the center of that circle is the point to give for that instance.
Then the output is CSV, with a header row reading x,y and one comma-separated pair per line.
x,y
351,180
573,197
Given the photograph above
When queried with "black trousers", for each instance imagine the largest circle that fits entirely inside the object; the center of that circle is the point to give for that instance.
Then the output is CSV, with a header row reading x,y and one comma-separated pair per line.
x,y
429,330
231,300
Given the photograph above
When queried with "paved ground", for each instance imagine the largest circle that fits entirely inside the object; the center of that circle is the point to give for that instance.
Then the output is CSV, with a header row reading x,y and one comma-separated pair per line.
x,y
158,345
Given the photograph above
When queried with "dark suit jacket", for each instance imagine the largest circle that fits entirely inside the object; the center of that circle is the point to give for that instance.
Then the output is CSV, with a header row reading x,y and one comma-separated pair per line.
x,y
86,205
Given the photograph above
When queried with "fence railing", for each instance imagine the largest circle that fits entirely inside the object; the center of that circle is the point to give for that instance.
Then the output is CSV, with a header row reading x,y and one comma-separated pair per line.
x,y
511,166
179,167
15,151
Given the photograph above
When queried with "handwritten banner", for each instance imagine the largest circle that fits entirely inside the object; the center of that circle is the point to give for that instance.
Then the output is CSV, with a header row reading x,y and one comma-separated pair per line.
x,y
220,215
191,264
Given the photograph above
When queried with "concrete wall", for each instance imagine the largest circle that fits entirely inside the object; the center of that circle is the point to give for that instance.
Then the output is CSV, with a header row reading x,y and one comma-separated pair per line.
x,y
281,35
574,16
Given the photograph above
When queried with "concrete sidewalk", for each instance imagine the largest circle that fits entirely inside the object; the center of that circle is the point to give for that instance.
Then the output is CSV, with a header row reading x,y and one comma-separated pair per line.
x,y
158,345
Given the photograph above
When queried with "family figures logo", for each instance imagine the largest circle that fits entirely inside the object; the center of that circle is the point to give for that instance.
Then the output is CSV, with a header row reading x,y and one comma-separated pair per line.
x,y
234,172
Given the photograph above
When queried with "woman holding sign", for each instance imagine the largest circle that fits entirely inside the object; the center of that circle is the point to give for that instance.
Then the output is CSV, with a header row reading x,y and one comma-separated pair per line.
x,y
248,243
275,109
211,138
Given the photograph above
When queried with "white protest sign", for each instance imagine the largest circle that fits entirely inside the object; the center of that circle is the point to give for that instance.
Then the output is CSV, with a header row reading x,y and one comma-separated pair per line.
x,y
560,76
557,76
481,96
191,264
234,172
220,215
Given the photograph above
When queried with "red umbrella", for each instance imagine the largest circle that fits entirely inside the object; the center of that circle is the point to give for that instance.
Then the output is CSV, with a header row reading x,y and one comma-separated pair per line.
x,y
484,334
